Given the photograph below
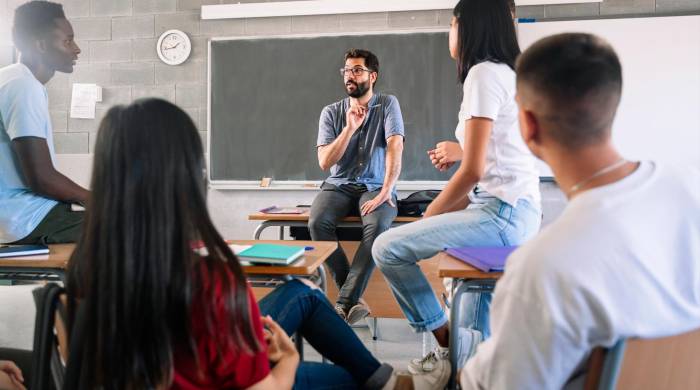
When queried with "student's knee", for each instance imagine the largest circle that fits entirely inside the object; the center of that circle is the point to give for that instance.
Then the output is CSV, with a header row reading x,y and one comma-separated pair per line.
x,y
321,223
384,250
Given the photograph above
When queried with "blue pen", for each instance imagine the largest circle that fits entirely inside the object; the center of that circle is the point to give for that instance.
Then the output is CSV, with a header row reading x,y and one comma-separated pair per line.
x,y
308,248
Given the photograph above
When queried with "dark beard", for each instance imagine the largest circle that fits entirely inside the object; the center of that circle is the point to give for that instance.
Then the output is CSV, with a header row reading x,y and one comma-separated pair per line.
x,y
360,89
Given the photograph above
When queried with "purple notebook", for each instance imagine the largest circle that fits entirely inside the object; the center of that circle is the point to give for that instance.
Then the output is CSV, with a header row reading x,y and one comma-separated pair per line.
x,y
485,258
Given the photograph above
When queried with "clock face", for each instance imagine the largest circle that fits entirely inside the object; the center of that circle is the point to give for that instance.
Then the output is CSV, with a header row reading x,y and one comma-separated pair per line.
x,y
174,47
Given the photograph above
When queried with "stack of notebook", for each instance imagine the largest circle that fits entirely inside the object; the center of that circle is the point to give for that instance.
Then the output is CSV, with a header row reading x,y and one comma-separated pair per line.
x,y
23,250
270,254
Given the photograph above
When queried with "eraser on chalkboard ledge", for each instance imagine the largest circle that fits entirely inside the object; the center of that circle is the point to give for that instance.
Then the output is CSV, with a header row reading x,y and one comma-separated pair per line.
x,y
310,185
265,182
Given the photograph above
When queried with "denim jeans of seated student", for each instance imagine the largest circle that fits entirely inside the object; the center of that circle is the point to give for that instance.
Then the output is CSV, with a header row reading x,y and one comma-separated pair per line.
x,y
487,221
299,308
330,206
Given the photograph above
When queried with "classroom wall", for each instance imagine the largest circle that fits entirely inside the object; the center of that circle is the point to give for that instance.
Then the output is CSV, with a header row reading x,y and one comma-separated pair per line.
x,y
118,38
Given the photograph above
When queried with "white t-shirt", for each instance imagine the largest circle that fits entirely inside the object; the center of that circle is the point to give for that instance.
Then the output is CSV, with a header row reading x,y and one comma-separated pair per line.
x,y
510,173
623,260
24,112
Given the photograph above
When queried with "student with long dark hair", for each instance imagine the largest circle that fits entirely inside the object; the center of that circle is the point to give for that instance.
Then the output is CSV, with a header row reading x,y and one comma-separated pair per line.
x,y
492,199
155,312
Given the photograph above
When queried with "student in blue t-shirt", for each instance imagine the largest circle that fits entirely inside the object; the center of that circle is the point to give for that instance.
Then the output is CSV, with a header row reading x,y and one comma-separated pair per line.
x,y
34,197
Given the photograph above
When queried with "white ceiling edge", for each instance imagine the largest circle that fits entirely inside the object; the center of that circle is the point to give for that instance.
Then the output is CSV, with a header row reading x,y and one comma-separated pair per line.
x,y
326,7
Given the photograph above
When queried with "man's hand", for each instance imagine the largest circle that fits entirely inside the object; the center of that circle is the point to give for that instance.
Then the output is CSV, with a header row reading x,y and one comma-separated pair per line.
x,y
445,154
279,345
13,373
378,200
355,117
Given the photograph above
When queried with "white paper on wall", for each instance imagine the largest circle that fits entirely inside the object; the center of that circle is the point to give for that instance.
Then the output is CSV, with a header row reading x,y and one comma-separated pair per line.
x,y
84,99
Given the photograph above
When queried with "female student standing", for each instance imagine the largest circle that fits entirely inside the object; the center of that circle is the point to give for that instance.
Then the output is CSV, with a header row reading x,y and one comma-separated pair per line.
x,y
492,199
158,314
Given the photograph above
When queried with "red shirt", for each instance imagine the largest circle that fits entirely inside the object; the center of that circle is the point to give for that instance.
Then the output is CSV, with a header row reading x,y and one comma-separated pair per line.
x,y
235,369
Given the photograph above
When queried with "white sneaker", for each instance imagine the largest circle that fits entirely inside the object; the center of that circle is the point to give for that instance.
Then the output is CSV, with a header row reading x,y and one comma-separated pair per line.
x,y
430,362
435,380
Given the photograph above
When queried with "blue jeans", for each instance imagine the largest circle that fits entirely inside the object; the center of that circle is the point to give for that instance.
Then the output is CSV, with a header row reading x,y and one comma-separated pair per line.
x,y
298,308
487,221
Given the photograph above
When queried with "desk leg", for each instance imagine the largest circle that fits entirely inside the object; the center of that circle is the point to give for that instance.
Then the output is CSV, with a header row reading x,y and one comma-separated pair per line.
x,y
281,232
322,282
259,229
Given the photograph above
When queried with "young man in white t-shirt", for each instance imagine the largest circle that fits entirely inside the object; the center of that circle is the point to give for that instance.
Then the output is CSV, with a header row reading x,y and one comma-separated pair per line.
x,y
34,197
623,259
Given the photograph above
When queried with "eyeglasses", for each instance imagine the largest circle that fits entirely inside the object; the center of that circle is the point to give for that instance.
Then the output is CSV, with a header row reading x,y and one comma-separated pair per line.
x,y
355,71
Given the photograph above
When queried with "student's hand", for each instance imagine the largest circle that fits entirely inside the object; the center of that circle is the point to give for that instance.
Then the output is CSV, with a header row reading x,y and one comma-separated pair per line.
x,y
445,154
14,374
354,117
279,345
378,200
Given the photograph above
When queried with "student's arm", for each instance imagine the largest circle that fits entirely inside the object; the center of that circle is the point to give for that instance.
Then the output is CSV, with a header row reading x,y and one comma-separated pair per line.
x,y
283,353
477,132
330,154
394,151
39,173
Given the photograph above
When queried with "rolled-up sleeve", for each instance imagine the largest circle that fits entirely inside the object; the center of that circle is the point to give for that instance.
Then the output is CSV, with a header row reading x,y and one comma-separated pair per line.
x,y
393,120
326,128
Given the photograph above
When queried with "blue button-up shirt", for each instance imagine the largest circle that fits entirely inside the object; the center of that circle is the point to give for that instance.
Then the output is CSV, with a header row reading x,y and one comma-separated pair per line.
x,y
364,161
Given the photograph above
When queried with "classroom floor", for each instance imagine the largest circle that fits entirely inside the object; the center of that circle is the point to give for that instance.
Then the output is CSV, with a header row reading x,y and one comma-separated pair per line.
x,y
397,344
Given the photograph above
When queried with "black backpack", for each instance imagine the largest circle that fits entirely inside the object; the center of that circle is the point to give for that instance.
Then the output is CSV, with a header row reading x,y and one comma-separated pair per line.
x,y
415,204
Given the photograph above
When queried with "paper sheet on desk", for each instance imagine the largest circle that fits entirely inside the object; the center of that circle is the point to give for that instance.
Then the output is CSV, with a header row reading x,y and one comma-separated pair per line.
x,y
234,247
84,99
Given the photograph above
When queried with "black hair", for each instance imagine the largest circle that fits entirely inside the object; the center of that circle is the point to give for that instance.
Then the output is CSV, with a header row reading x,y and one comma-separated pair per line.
x,y
511,6
134,268
33,20
576,79
371,60
486,33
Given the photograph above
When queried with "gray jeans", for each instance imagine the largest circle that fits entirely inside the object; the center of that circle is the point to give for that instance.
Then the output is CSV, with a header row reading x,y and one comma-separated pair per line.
x,y
328,208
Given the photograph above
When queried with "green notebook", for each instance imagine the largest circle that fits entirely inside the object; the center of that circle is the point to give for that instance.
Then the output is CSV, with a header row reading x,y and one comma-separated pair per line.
x,y
271,254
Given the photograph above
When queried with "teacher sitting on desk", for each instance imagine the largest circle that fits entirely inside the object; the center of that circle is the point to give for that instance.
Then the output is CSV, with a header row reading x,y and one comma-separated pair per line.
x,y
360,139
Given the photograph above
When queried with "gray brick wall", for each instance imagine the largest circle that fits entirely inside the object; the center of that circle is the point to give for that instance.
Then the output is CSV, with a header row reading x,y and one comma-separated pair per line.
x,y
118,39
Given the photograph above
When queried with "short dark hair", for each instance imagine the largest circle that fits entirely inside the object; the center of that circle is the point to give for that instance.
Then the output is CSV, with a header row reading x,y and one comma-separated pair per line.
x,y
486,33
33,20
371,60
575,80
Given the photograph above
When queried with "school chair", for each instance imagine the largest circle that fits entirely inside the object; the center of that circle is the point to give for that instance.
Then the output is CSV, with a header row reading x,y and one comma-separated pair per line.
x,y
662,363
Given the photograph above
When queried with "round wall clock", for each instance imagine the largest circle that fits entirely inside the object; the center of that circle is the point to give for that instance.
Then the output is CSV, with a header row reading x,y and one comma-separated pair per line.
x,y
174,47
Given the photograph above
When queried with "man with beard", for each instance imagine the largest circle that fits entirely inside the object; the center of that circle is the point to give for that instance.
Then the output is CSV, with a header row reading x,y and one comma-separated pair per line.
x,y
360,139
34,197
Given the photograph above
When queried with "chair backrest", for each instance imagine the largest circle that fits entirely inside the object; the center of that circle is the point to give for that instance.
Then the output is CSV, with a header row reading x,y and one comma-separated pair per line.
x,y
663,363
50,338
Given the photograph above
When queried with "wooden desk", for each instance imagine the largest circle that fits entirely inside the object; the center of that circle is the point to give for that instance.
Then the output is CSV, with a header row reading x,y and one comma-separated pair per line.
x,y
467,279
302,220
53,265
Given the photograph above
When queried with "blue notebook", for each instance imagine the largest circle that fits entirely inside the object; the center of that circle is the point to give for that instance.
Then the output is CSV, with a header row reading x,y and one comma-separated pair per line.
x,y
485,258
271,254
23,250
